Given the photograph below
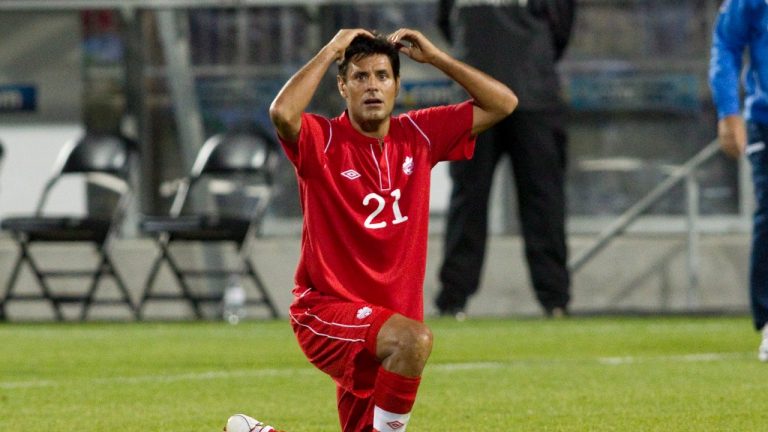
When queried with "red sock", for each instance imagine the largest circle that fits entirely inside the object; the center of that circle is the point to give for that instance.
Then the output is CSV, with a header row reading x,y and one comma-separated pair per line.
x,y
395,393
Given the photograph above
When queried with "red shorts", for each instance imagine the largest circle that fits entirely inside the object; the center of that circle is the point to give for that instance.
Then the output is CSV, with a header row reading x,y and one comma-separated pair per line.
x,y
339,338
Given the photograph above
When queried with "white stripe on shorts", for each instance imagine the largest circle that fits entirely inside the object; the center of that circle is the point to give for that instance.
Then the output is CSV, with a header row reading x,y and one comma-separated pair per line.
x,y
296,320
755,147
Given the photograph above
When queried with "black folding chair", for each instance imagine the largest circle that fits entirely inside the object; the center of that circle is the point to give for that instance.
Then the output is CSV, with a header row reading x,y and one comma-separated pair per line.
x,y
244,162
2,153
102,160
2,309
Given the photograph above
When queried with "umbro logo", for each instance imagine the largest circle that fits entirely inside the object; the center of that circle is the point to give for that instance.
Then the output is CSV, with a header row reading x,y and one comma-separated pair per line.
x,y
351,174
395,425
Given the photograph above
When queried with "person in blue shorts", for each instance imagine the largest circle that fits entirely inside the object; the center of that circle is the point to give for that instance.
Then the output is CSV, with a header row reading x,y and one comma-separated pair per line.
x,y
743,25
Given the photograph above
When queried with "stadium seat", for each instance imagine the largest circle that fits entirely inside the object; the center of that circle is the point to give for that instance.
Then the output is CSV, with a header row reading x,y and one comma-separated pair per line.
x,y
103,161
243,164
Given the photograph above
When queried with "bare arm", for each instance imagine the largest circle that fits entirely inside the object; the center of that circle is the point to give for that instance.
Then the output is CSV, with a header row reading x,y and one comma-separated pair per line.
x,y
493,100
285,111
732,135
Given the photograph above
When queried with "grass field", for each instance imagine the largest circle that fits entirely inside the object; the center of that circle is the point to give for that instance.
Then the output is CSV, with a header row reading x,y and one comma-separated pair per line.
x,y
580,374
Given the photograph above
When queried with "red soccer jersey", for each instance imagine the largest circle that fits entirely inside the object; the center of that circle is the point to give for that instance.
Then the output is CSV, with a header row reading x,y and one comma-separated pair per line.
x,y
366,203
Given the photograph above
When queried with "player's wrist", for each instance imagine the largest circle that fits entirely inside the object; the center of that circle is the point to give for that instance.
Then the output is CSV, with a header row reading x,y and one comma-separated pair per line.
x,y
437,58
330,54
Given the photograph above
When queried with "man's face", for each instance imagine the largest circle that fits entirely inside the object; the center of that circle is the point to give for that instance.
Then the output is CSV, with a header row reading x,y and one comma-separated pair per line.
x,y
370,89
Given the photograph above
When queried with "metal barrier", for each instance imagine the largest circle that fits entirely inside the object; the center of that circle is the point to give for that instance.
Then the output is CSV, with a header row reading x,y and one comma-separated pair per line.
x,y
684,173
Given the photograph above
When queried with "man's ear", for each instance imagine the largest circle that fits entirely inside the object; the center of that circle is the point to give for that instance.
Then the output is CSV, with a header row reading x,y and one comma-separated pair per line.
x,y
342,86
397,90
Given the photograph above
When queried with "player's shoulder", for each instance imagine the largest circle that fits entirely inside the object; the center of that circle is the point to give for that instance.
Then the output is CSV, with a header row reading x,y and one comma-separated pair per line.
x,y
420,123
439,113
319,118
317,122
423,113
412,120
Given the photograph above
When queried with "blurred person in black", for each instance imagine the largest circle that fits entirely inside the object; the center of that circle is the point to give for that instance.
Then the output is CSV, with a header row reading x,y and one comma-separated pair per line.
x,y
519,42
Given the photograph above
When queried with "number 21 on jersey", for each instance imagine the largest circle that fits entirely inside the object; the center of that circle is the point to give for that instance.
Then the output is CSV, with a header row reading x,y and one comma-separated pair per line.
x,y
373,221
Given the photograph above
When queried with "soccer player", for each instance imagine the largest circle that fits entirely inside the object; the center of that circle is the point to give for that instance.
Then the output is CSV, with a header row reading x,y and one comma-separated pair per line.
x,y
742,25
364,180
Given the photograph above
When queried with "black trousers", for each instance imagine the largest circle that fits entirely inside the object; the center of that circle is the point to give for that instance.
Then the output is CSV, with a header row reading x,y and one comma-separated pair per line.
x,y
536,144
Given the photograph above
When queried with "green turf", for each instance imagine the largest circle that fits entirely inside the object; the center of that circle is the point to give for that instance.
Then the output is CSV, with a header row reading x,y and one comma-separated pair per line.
x,y
580,374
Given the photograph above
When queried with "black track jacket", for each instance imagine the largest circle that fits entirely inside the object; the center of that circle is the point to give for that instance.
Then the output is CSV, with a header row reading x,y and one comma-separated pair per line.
x,y
516,41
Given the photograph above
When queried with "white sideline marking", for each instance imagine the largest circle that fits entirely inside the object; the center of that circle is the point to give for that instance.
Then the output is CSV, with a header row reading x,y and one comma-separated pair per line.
x,y
244,373
140,379
26,384
683,358
441,367
451,367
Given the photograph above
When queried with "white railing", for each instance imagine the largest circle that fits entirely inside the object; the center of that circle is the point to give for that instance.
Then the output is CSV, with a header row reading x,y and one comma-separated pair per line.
x,y
686,174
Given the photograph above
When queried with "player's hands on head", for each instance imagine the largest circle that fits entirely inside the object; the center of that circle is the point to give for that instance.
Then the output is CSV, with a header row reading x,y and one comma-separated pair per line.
x,y
343,38
414,44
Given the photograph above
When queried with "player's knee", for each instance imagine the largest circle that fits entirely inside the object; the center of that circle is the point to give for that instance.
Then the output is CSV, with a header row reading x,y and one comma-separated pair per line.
x,y
404,346
406,339
419,340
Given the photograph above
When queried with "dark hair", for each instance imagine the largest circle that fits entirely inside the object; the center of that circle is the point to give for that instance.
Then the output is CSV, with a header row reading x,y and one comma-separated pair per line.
x,y
364,46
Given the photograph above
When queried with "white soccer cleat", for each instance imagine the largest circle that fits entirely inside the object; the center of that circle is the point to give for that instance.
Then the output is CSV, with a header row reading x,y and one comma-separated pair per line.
x,y
762,352
244,423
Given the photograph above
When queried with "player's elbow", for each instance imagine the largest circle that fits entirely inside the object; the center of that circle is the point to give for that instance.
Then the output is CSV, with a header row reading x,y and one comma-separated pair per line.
x,y
284,118
504,106
278,113
509,104
487,116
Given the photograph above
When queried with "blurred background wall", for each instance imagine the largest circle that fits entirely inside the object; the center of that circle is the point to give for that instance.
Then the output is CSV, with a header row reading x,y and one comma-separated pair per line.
x,y
170,73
